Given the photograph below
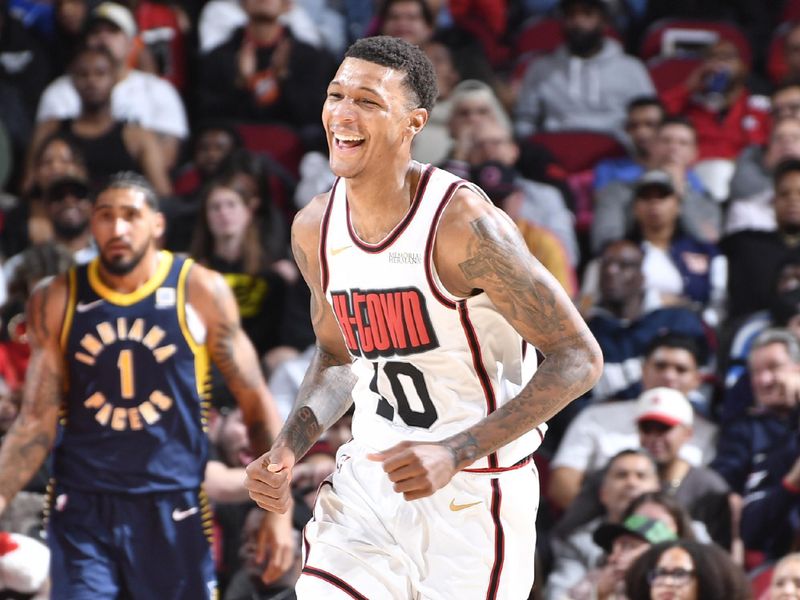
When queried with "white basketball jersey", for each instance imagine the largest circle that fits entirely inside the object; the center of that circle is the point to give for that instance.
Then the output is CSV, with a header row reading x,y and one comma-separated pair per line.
x,y
429,364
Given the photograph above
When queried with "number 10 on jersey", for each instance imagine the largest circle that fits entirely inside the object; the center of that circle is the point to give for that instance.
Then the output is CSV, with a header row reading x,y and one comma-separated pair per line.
x,y
396,373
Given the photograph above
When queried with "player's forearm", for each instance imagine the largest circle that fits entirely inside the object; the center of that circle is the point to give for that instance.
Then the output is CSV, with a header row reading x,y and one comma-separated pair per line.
x,y
23,451
569,370
324,396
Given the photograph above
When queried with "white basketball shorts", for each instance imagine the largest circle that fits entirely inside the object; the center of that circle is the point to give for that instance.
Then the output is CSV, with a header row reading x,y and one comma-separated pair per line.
x,y
473,539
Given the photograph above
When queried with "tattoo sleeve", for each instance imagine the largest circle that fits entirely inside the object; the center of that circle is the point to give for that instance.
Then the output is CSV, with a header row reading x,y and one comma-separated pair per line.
x,y
324,396
533,302
235,357
30,438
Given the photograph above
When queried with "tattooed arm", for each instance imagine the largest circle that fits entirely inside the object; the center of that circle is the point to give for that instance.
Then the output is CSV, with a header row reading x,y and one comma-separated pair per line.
x,y
234,355
477,249
30,438
324,395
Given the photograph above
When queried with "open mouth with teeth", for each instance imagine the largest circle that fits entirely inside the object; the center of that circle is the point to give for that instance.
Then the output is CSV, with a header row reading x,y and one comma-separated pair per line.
x,y
344,142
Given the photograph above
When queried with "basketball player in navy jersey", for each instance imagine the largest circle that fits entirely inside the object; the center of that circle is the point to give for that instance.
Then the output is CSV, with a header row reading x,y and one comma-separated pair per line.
x,y
120,356
426,305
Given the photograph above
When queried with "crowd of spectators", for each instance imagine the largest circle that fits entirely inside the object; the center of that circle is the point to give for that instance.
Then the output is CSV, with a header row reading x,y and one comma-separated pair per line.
x,y
648,151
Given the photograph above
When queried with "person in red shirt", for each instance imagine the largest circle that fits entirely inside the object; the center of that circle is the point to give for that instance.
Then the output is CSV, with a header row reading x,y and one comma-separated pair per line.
x,y
714,98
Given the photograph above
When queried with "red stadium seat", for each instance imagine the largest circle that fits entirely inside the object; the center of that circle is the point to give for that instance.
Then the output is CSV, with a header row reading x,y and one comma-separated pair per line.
x,y
668,72
776,62
279,141
539,36
653,42
579,150
791,11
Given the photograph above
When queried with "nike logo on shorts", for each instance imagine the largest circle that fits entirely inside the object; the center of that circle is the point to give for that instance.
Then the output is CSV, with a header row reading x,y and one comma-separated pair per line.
x,y
456,507
180,515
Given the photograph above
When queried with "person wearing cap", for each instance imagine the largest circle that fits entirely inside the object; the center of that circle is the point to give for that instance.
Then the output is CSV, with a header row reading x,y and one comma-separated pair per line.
x,y
680,268
602,429
759,452
586,83
138,97
622,543
628,474
108,144
664,418
674,150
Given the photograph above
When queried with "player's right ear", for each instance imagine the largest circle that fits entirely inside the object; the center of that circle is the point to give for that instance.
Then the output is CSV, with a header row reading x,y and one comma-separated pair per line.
x,y
417,120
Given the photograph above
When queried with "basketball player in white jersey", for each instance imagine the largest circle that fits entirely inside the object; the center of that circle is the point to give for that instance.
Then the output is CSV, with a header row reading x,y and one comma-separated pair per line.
x,y
426,305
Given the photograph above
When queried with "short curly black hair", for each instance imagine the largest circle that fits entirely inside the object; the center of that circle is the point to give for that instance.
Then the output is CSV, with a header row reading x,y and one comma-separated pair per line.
x,y
398,54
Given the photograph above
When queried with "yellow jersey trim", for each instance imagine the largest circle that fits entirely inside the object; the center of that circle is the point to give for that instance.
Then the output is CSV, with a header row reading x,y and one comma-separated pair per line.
x,y
120,299
201,360
72,292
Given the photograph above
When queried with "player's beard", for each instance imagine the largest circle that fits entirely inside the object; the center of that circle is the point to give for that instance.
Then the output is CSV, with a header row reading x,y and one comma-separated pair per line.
x,y
123,267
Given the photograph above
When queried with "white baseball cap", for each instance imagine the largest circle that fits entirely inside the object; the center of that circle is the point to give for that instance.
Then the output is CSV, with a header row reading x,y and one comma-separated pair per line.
x,y
664,405
117,15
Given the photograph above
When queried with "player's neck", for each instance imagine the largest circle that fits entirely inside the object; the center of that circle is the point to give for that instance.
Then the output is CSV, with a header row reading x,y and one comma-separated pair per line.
x,y
378,201
130,282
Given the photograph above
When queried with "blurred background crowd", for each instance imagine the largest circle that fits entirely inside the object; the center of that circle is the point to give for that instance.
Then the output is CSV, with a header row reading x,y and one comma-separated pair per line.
x,y
648,150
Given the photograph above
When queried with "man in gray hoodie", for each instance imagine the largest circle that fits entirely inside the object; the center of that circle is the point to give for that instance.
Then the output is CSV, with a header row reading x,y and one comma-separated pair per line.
x,y
586,83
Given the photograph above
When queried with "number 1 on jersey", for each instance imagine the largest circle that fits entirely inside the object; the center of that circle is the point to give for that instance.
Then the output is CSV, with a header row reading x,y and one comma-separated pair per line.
x,y
125,366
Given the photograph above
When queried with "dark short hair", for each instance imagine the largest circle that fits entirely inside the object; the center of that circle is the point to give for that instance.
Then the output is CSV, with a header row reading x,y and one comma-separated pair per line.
x,y
427,13
398,54
646,101
787,84
96,50
676,341
784,168
678,120
126,180
630,452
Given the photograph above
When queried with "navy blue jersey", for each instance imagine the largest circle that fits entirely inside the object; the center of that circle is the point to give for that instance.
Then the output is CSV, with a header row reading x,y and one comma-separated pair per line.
x,y
135,410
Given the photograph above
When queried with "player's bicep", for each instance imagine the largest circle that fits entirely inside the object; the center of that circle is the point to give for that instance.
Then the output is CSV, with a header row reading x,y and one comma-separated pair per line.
x,y
326,329
489,254
44,377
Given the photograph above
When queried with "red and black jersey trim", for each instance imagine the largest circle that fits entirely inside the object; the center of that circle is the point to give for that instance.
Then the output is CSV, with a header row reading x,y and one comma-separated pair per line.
x,y
430,243
323,239
480,368
400,227
499,542
334,581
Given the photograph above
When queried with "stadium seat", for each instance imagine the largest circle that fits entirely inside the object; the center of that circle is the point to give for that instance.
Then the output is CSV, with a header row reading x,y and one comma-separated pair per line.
x,y
539,36
776,63
658,35
667,72
278,141
578,150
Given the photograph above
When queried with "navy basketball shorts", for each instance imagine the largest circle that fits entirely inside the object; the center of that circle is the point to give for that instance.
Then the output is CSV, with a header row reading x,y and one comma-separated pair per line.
x,y
130,546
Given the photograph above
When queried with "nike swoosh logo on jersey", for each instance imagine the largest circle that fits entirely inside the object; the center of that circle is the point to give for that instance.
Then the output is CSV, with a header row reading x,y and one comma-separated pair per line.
x,y
180,515
82,307
457,507
336,251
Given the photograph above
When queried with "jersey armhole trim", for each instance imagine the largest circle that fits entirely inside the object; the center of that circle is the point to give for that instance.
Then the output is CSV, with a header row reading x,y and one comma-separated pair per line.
x,y
69,310
437,288
324,274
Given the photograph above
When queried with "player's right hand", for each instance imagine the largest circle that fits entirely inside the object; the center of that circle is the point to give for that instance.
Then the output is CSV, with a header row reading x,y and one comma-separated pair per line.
x,y
268,479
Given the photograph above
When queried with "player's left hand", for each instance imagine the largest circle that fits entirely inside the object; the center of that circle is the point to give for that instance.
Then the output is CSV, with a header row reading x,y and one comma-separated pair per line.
x,y
276,539
417,469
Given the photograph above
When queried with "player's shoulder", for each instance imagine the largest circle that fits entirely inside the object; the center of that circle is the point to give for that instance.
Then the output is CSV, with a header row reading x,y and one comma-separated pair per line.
x,y
307,221
46,307
466,209
201,280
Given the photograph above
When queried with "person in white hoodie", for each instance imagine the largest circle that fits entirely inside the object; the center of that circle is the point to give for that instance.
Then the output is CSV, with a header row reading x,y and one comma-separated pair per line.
x,y
586,83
